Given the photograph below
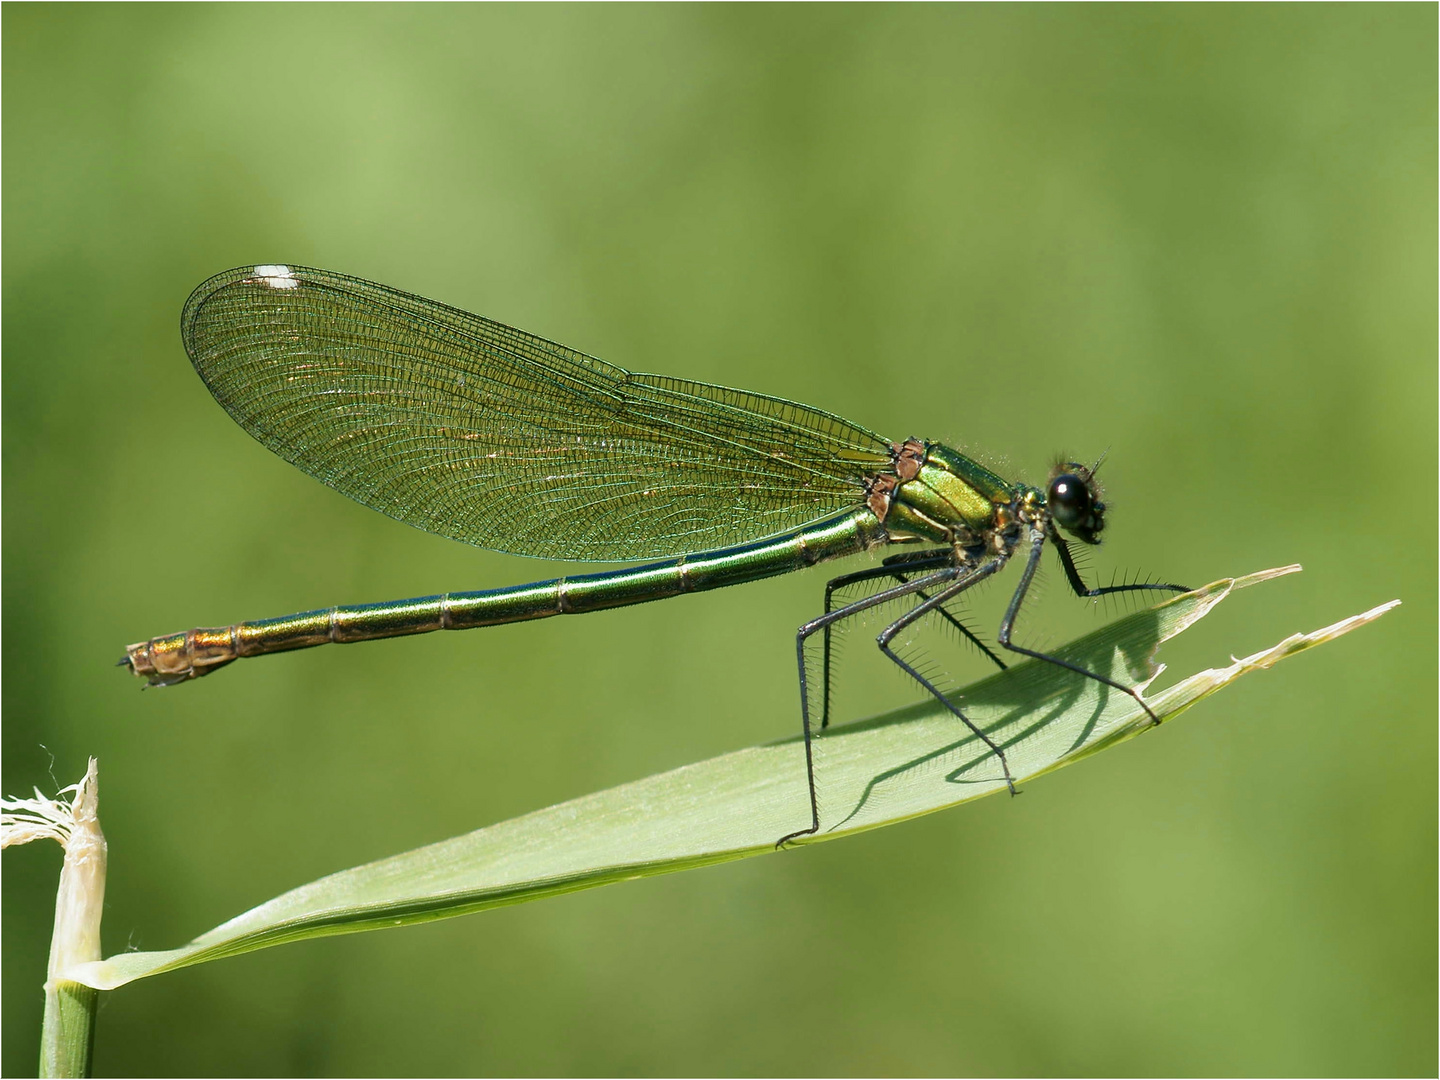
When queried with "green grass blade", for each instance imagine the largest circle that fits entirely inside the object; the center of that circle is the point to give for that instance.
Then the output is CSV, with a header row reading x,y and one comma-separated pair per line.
x,y
909,762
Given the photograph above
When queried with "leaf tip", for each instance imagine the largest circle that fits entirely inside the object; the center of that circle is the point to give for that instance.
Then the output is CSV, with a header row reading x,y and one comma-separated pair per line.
x,y
1267,575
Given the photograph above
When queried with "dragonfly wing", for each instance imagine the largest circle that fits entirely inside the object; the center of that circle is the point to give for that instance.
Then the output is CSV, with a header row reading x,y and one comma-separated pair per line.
x,y
477,431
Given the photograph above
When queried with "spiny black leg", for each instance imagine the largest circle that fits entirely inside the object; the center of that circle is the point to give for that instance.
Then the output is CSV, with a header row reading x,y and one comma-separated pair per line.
x,y
939,577
973,577
899,562
1072,575
918,560
967,632
898,567
1007,624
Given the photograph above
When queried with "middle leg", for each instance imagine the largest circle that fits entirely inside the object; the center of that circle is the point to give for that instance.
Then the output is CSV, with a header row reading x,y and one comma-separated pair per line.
x,y
902,569
972,577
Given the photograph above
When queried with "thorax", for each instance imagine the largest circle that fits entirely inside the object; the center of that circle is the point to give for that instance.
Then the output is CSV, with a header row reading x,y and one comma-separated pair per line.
x,y
938,495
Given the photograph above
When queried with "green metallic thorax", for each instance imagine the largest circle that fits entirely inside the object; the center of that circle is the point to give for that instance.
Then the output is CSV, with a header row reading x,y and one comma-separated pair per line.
x,y
952,500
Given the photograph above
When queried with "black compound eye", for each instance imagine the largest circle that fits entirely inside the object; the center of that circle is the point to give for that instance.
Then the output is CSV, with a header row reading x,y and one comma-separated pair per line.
x,y
1069,501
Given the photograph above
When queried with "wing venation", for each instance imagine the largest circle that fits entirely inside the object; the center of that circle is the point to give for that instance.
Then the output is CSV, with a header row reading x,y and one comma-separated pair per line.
x,y
487,434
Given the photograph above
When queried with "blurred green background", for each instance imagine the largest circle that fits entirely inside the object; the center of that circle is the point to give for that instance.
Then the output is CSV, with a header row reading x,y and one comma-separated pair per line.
x,y
1201,237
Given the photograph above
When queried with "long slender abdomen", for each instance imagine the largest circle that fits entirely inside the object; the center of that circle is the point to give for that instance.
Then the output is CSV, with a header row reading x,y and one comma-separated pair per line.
x,y
176,658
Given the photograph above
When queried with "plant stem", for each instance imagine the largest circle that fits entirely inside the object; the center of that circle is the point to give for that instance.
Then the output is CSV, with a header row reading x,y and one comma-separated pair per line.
x,y
67,1036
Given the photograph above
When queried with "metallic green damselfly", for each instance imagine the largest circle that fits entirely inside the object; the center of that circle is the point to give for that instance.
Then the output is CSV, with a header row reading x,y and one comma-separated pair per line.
x,y
483,433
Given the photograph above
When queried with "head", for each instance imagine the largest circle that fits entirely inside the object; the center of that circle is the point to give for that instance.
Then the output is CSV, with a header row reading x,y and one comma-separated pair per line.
x,y
1073,500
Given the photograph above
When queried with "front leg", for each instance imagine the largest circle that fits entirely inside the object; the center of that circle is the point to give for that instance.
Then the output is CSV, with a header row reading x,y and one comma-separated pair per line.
x,y
1007,624
1072,575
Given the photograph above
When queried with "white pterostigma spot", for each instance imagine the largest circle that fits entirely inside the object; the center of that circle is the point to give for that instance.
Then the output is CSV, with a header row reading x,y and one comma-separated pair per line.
x,y
277,277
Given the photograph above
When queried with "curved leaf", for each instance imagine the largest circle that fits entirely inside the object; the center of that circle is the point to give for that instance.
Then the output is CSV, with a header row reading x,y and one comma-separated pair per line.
x,y
876,772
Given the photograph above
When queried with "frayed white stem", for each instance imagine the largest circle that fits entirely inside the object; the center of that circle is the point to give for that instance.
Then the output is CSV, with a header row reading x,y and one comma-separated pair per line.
x,y
81,897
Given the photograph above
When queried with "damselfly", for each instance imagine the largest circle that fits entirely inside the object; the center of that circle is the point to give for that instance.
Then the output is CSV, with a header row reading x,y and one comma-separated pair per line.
x,y
483,433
